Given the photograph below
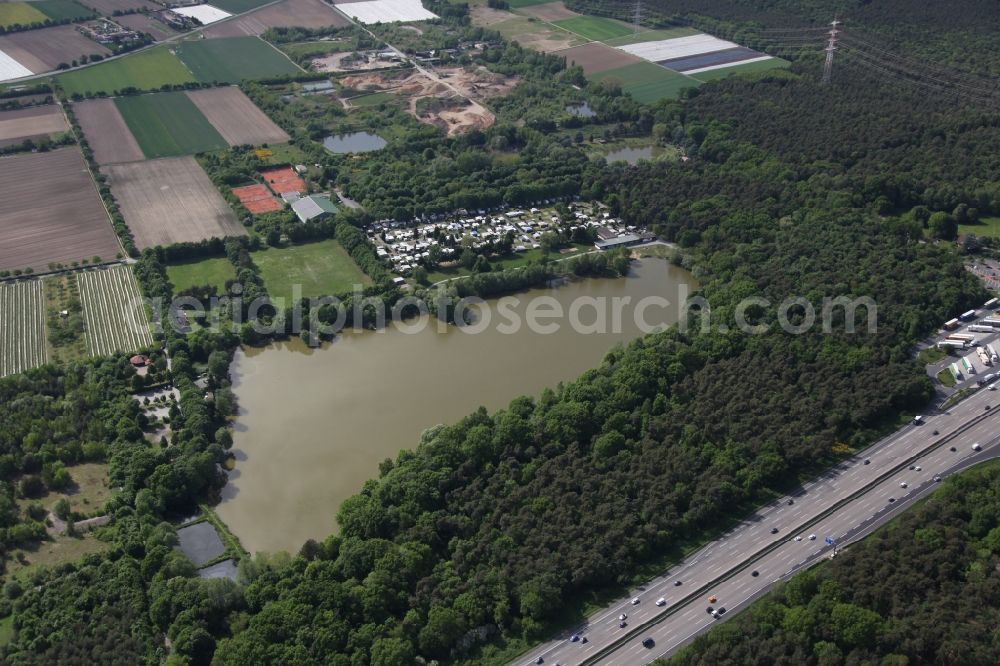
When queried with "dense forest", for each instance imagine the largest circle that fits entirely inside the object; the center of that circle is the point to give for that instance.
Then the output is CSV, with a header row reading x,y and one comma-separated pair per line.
x,y
960,34
923,590
490,530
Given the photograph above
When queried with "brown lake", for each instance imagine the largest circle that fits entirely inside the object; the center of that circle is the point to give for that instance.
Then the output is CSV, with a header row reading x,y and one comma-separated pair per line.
x,y
314,424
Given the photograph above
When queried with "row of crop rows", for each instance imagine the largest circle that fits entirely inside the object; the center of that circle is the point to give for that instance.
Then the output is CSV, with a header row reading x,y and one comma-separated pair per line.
x,y
113,311
22,327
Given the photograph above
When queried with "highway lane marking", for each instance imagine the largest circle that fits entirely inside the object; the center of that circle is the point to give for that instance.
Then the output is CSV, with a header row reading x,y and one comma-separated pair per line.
x,y
965,427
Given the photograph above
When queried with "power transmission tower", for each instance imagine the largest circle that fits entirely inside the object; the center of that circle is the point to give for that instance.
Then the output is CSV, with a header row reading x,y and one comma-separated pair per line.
x,y
831,47
637,16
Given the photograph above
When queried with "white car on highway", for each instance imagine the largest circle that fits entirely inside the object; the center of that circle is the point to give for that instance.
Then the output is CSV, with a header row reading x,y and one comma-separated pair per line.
x,y
661,602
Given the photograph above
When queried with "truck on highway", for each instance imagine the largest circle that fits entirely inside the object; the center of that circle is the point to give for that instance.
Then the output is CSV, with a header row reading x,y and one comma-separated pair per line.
x,y
969,368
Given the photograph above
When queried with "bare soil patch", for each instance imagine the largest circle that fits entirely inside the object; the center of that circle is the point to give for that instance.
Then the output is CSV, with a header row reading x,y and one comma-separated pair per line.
x,y
290,13
550,11
106,132
237,119
596,57
34,121
53,212
170,200
47,48
109,7
333,62
479,82
484,16
461,118
450,111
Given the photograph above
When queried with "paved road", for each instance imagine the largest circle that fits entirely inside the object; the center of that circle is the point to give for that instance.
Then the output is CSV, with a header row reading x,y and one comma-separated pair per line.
x,y
851,497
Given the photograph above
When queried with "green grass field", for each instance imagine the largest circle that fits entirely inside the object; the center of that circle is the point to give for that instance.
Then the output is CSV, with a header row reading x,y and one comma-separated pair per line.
x,y
749,68
19,13
593,27
652,36
987,226
233,60
374,99
238,6
147,70
300,49
514,4
168,124
60,10
212,272
647,82
322,269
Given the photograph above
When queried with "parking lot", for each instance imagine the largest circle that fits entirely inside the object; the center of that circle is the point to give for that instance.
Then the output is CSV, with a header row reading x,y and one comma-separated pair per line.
x,y
976,363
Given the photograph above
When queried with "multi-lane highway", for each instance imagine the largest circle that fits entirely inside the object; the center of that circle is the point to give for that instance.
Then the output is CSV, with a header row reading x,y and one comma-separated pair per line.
x,y
844,503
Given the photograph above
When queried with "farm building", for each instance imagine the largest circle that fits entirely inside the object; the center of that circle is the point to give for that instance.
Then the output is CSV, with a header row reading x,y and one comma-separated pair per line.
x,y
314,207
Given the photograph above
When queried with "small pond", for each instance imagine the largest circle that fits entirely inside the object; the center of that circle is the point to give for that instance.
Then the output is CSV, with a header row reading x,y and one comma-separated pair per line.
x,y
581,110
630,155
355,142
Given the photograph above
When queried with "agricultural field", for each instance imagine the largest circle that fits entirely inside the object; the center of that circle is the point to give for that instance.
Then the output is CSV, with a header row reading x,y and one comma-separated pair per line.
x,y
648,82
386,11
236,118
234,59
113,311
748,68
44,50
596,57
168,124
596,28
62,10
206,272
238,6
517,4
22,326
20,13
299,13
652,36
550,11
57,215
170,200
106,132
536,35
33,122
109,7
147,70
320,269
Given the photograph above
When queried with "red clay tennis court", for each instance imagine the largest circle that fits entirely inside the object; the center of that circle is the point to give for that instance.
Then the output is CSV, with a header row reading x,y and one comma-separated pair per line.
x,y
283,179
256,199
